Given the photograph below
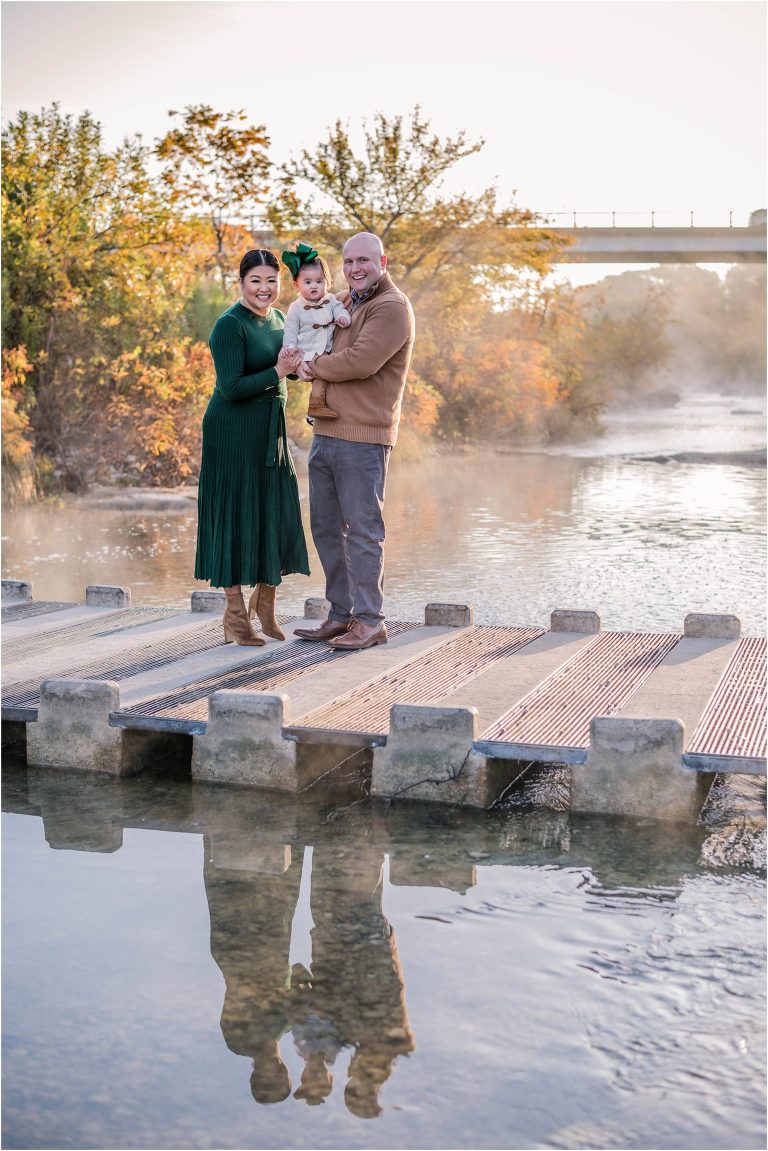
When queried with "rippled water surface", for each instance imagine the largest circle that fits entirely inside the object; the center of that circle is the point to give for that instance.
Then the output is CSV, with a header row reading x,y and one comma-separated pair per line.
x,y
600,526
188,965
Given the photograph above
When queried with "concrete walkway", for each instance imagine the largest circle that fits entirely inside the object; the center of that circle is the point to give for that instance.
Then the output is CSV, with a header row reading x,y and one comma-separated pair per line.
x,y
451,710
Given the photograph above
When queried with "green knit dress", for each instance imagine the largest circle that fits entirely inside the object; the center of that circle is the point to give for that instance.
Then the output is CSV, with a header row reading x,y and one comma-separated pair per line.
x,y
249,518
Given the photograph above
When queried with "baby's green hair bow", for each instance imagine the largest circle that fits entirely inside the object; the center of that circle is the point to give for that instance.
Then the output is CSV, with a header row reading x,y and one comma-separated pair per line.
x,y
294,261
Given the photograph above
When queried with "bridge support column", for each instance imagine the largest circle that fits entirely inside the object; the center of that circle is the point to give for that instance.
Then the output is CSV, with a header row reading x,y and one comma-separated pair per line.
x,y
243,741
73,731
634,767
72,728
429,756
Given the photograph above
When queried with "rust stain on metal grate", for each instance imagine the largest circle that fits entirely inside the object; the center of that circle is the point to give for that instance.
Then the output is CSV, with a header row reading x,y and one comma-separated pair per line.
x,y
287,663
598,680
28,610
114,622
426,678
733,723
26,693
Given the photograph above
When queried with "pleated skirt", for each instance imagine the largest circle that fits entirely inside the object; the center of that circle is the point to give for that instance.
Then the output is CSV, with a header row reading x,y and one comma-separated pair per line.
x,y
249,526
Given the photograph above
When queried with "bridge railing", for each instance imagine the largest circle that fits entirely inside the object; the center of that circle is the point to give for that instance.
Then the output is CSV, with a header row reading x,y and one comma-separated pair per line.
x,y
648,219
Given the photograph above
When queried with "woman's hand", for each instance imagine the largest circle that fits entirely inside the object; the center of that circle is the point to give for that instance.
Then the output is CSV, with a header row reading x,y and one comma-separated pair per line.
x,y
288,361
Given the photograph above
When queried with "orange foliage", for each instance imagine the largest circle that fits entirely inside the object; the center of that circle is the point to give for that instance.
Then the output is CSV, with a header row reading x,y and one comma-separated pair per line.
x,y
17,442
157,407
18,461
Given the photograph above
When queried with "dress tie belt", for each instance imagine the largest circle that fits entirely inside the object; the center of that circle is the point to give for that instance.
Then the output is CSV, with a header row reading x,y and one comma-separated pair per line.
x,y
277,436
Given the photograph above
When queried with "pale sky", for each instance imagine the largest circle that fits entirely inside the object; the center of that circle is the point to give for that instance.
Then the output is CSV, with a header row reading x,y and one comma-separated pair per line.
x,y
589,106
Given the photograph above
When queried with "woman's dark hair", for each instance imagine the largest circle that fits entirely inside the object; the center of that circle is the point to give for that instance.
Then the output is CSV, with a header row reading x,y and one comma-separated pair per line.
x,y
258,258
320,263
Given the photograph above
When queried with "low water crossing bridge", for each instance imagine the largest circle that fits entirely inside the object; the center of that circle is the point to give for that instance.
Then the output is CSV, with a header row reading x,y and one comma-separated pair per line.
x,y
451,711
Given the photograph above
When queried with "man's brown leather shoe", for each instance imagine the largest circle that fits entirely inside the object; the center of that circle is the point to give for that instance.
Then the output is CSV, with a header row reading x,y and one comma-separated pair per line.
x,y
360,635
327,630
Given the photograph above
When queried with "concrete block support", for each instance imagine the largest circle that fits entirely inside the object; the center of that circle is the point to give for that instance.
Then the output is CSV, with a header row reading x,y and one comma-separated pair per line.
x,y
316,608
212,602
634,767
698,625
428,756
16,590
243,741
563,619
102,595
449,615
72,728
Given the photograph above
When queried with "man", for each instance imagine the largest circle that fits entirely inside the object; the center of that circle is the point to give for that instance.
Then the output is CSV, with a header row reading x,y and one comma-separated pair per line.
x,y
365,372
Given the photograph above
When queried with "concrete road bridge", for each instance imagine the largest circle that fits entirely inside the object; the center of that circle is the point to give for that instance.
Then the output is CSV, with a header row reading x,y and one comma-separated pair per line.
x,y
608,238
638,238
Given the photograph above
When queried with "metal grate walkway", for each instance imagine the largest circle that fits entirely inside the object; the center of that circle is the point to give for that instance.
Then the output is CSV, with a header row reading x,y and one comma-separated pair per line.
x,y
541,708
427,678
598,680
110,623
733,723
28,610
20,700
186,709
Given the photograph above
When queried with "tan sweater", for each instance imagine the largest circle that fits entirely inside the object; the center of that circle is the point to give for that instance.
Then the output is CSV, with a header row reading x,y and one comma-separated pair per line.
x,y
367,366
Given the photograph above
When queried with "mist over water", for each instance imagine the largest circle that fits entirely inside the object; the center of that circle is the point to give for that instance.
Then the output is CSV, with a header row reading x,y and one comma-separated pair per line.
x,y
663,515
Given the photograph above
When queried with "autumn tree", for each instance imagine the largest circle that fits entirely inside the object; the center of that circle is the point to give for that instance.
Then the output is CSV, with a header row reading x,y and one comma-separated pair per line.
x,y
215,170
94,266
456,255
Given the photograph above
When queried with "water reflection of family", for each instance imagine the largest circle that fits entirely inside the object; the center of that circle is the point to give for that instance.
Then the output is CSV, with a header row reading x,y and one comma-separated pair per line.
x,y
354,996
355,348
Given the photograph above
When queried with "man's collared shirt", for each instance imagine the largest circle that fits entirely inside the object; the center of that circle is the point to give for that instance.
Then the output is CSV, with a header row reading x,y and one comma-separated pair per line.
x,y
359,297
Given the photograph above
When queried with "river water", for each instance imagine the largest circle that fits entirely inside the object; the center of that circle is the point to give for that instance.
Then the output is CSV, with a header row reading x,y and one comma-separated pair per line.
x,y
614,525
192,966
198,966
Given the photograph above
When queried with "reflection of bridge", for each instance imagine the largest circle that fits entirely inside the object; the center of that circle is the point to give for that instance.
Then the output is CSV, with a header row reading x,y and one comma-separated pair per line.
x,y
345,1008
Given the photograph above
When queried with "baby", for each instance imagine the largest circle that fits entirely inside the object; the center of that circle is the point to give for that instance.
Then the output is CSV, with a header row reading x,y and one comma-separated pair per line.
x,y
311,318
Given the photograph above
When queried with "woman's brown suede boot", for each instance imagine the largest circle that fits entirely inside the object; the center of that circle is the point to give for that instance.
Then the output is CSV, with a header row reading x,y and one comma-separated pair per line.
x,y
262,604
236,623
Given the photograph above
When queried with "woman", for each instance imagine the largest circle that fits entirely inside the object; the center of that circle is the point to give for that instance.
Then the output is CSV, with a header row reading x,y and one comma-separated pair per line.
x,y
249,519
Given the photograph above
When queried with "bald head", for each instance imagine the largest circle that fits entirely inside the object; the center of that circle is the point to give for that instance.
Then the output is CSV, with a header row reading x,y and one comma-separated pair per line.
x,y
364,261
366,240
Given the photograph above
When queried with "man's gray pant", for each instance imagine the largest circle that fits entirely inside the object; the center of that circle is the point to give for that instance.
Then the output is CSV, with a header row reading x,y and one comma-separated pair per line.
x,y
346,505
